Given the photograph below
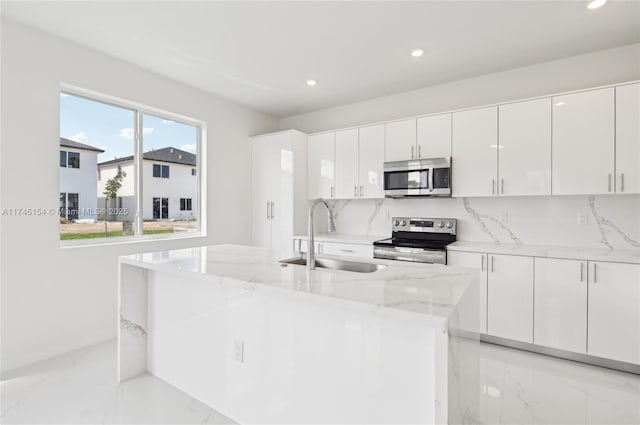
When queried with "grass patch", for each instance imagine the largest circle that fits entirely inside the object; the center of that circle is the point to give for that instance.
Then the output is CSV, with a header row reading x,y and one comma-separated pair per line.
x,y
73,236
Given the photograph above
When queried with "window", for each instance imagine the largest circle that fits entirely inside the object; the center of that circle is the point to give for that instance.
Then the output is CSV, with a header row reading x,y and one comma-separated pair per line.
x,y
161,171
73,160
101,199
185,204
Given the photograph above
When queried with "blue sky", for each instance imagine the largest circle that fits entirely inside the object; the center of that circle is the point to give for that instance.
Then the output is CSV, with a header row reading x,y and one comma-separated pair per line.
x,y
111,128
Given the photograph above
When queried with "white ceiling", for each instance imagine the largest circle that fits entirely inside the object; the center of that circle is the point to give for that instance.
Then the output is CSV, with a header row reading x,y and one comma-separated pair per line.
x,y
261,53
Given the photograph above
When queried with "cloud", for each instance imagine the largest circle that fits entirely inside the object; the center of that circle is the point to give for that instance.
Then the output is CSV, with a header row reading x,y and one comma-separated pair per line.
x,y
79,137
189,148
167,122
128,133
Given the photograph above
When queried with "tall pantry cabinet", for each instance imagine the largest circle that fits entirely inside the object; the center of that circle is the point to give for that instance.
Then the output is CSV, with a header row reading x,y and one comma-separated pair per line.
x,y
279,188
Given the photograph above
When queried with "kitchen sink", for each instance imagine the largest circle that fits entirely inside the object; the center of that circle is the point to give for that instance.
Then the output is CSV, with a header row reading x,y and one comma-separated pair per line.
x,y
328,263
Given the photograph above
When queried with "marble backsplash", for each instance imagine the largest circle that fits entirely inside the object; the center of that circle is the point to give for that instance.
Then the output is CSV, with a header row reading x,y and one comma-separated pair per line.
x,y
611,221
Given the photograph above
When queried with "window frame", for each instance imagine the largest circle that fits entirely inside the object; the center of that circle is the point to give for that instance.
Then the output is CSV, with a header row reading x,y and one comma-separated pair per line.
x,y
75,155
139,110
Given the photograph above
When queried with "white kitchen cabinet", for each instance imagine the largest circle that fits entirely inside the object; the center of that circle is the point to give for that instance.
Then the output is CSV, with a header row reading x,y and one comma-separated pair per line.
x,y
524,153
510,297
336,248
346,164
278,188
400,140
614,311
583,143
321,165
434,136
371,161
560,304
477,261
474,152
628,138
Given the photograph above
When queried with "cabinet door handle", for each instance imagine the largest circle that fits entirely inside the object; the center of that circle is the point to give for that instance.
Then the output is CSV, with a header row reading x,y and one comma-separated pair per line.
x,y
419,149
502,186
581,271
412,152
268,215
272,211
331,195
346,250
492,259
361,191
609,182
493,186
482,263
595,273
621,182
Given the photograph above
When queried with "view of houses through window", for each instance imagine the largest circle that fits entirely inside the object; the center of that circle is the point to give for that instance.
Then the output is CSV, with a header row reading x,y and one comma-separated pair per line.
x,y
98,196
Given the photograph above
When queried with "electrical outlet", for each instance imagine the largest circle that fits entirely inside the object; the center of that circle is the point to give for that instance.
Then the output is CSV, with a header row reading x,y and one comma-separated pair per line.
x,y
582,218
238,351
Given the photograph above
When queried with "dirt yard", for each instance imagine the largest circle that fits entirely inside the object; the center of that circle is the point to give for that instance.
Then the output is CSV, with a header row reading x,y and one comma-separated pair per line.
x,y
116,226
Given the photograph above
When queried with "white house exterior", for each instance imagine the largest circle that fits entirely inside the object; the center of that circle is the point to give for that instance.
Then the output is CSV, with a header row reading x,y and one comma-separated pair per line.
x,y
78,178
170,185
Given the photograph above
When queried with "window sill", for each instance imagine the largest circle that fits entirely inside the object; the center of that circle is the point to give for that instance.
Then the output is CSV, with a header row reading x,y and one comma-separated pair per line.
x,y
128,240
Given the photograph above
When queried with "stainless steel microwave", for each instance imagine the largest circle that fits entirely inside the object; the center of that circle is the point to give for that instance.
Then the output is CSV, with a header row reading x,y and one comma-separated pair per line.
x,y
418,177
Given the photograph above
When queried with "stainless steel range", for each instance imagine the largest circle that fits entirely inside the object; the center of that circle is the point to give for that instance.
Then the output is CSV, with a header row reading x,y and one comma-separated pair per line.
x,y
422,240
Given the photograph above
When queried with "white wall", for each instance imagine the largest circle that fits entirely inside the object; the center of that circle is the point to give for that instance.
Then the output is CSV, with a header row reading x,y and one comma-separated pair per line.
x,y
55,299
82,181
594,69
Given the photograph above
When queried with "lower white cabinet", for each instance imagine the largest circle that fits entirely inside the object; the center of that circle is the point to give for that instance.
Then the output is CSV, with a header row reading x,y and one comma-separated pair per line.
x,y
510,297
614,311
336,248
560,304
474,260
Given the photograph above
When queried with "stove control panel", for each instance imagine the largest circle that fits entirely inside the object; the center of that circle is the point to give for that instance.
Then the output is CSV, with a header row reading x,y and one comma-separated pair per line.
x,y
425,225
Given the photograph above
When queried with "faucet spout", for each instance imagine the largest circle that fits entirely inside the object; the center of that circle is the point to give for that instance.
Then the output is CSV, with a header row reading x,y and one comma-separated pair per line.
x,y
311,255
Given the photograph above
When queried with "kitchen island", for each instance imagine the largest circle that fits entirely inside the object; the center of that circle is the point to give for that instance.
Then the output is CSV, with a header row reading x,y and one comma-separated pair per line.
x,y
265,342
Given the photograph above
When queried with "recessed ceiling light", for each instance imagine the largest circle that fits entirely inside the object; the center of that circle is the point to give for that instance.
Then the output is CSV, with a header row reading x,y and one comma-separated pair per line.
x,y
312,83
417,53
594,4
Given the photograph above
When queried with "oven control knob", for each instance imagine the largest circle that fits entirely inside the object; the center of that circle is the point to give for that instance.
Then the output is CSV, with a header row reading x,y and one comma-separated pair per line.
x,y
449,224
404,222
440,224
396,222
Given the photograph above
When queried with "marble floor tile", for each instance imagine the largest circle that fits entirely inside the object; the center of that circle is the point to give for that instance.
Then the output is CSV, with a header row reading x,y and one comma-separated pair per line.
x,y
516,387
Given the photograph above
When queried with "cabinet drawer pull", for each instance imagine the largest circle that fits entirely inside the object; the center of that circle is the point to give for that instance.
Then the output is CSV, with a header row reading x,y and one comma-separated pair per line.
x,y
581,272
492,260
346,250
621,182
609,182
412,152
595,273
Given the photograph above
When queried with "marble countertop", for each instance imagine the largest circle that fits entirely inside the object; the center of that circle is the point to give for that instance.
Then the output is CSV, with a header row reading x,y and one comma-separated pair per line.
x,y
549,251
341,238
427,289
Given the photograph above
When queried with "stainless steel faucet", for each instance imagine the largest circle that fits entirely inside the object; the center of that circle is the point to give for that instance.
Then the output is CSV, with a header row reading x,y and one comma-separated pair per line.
x,y
311,255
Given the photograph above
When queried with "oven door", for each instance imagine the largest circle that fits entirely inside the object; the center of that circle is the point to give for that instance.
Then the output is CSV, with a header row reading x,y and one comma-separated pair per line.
x,y
406,178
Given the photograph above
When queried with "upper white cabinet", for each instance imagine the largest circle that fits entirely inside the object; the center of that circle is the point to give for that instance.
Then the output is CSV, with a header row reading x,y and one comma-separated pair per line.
x,y
400,140
477,261
583,142
434,136
524,153
510,297
279,184
321,165
560,313
346,160
371,161
614,315
628,138
474,152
